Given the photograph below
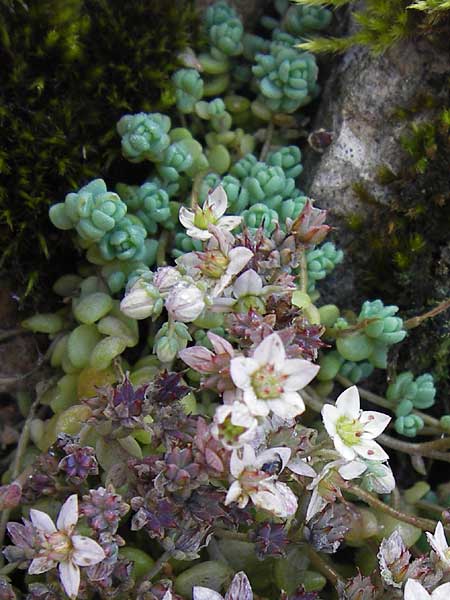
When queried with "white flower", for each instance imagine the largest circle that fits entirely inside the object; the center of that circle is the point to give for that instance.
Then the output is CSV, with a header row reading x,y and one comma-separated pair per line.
x,y
317,501
60,545
234,425
415,591
198,221
270,381
219,262
248,292
439,544
185,302
352,430
256,480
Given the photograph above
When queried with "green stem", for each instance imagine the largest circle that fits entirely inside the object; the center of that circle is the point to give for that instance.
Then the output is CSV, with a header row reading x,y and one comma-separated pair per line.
x,y
374,502
303,271
266,146
323,566
416,321
162,248
158,565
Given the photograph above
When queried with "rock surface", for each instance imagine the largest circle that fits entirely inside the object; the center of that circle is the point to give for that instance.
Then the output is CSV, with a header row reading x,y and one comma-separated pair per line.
x,y
358,105
250,10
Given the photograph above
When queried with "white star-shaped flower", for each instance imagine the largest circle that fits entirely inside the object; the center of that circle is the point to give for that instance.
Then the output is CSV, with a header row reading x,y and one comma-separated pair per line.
x,y
59,545
197,221
352,430
255,479
270,381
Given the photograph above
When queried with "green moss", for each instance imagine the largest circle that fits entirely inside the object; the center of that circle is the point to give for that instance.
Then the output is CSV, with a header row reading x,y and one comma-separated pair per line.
x,y
383,23
70,69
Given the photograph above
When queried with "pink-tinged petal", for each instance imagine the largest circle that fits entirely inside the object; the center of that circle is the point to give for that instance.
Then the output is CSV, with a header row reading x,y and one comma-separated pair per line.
x,y
274,454
229,223
202,593
198,358
217,201
68,515
300,372
240,588
220,344
270,351
438,542
415,591
241,370
300,467
330,415
86,551
258,408
249,283
222,239
167,595
348,452
69,574
186,217
352,470
42,521
374,423
441,593
42,564
234,493
348,403
370,450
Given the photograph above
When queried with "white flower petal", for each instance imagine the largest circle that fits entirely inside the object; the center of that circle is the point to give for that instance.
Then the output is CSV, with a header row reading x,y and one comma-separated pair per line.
x,y
348,403
415,591
69,574
289,406
300,467
374,423
348,452
300,372
249,283
186,217
370,450
352,470
241,369
258,408
202,593
41,564
68,515
217,201
316,504
330,415
220,344
270,351
86,551
198,234
239,257
42,521
438,542
234,493
441,593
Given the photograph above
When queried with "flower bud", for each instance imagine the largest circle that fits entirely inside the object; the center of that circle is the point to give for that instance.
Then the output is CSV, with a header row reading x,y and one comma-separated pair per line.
x,y
165,278
185,303
142,301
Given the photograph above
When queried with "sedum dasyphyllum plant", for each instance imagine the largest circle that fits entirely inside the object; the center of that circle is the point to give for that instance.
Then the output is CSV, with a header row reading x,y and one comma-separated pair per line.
x,y
191,443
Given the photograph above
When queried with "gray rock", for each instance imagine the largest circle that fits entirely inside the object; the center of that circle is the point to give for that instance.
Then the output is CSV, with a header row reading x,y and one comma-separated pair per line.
x,y
358,104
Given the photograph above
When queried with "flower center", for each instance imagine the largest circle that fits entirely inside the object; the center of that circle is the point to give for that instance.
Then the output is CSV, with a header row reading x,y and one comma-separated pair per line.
x,y
229,432
214,264
266,383
59,546
246,303
349,430
204,217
